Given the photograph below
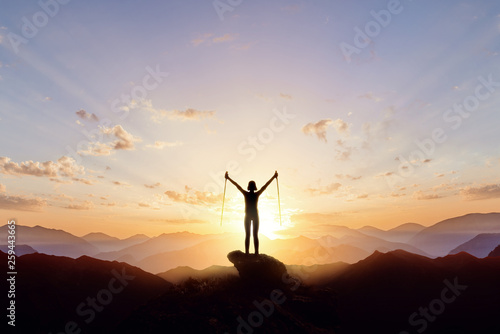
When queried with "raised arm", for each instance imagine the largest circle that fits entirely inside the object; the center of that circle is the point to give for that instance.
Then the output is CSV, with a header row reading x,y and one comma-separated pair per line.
x,y
268,183
236,184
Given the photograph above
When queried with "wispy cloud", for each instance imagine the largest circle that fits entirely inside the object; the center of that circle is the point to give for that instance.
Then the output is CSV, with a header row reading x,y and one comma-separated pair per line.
x,y
163,144
343,150
118,183
347,176
97,149
371,96
152,186
319,128
483,192
192,196
191,114
85,115
201,39
123,141
225,38
209,39
157,115
421,196
286,96
63,167
326,190
86,205
21,203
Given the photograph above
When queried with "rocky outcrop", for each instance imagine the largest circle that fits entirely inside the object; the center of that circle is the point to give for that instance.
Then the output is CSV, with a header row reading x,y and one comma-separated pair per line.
x,y
258,268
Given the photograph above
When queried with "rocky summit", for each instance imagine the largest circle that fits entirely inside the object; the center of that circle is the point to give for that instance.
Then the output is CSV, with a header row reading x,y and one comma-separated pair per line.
x,y
258,268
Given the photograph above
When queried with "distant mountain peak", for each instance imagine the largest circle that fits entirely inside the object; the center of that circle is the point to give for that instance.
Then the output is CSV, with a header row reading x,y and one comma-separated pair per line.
x,y
408,227
495,252
98,236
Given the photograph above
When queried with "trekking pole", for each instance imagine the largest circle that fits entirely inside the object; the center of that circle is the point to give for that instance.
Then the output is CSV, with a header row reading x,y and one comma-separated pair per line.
x,y
223,197
279,205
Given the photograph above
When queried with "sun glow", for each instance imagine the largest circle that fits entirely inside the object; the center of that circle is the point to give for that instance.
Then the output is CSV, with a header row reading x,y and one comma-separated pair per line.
x,y
270,219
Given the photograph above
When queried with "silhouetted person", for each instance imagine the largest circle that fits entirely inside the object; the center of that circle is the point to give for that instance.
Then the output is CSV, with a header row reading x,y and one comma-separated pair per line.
x,y
251,210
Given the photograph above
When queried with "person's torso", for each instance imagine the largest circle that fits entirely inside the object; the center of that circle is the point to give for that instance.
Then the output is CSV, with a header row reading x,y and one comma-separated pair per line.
x,y
251,201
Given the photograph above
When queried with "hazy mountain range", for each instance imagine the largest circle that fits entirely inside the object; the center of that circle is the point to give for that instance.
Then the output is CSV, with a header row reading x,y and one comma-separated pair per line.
x,y
350,281
477,234
382,293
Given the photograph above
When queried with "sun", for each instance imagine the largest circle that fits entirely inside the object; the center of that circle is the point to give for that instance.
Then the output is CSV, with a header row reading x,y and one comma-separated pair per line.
x,y
269,219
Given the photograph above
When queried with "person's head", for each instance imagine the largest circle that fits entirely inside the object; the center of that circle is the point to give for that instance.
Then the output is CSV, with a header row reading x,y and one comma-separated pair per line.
x,y
252,186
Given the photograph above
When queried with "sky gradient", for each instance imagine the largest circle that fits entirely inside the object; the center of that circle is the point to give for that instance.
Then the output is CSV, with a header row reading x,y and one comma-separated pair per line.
x,y
122,116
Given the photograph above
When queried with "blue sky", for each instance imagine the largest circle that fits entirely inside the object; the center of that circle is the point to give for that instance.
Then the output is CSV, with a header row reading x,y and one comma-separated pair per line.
x,y
337,129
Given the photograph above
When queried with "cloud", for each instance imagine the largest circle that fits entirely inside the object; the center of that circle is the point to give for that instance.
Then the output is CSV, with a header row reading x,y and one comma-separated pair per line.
x,y
243,47
225,38
84,181
97,149
487,191
124,141
152,186
371,96
157,115
341,126
162,144
201,39
87,116
286,96
118,183
379,130
344,151
384,174
362,196
421,196
347,176
329,189
208,39
3,188
191,114
195,197
21,203
87,205
63,167
319,128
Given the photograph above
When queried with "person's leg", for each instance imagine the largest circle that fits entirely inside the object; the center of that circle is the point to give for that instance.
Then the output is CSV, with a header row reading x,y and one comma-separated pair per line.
x,y
248,221
256,234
